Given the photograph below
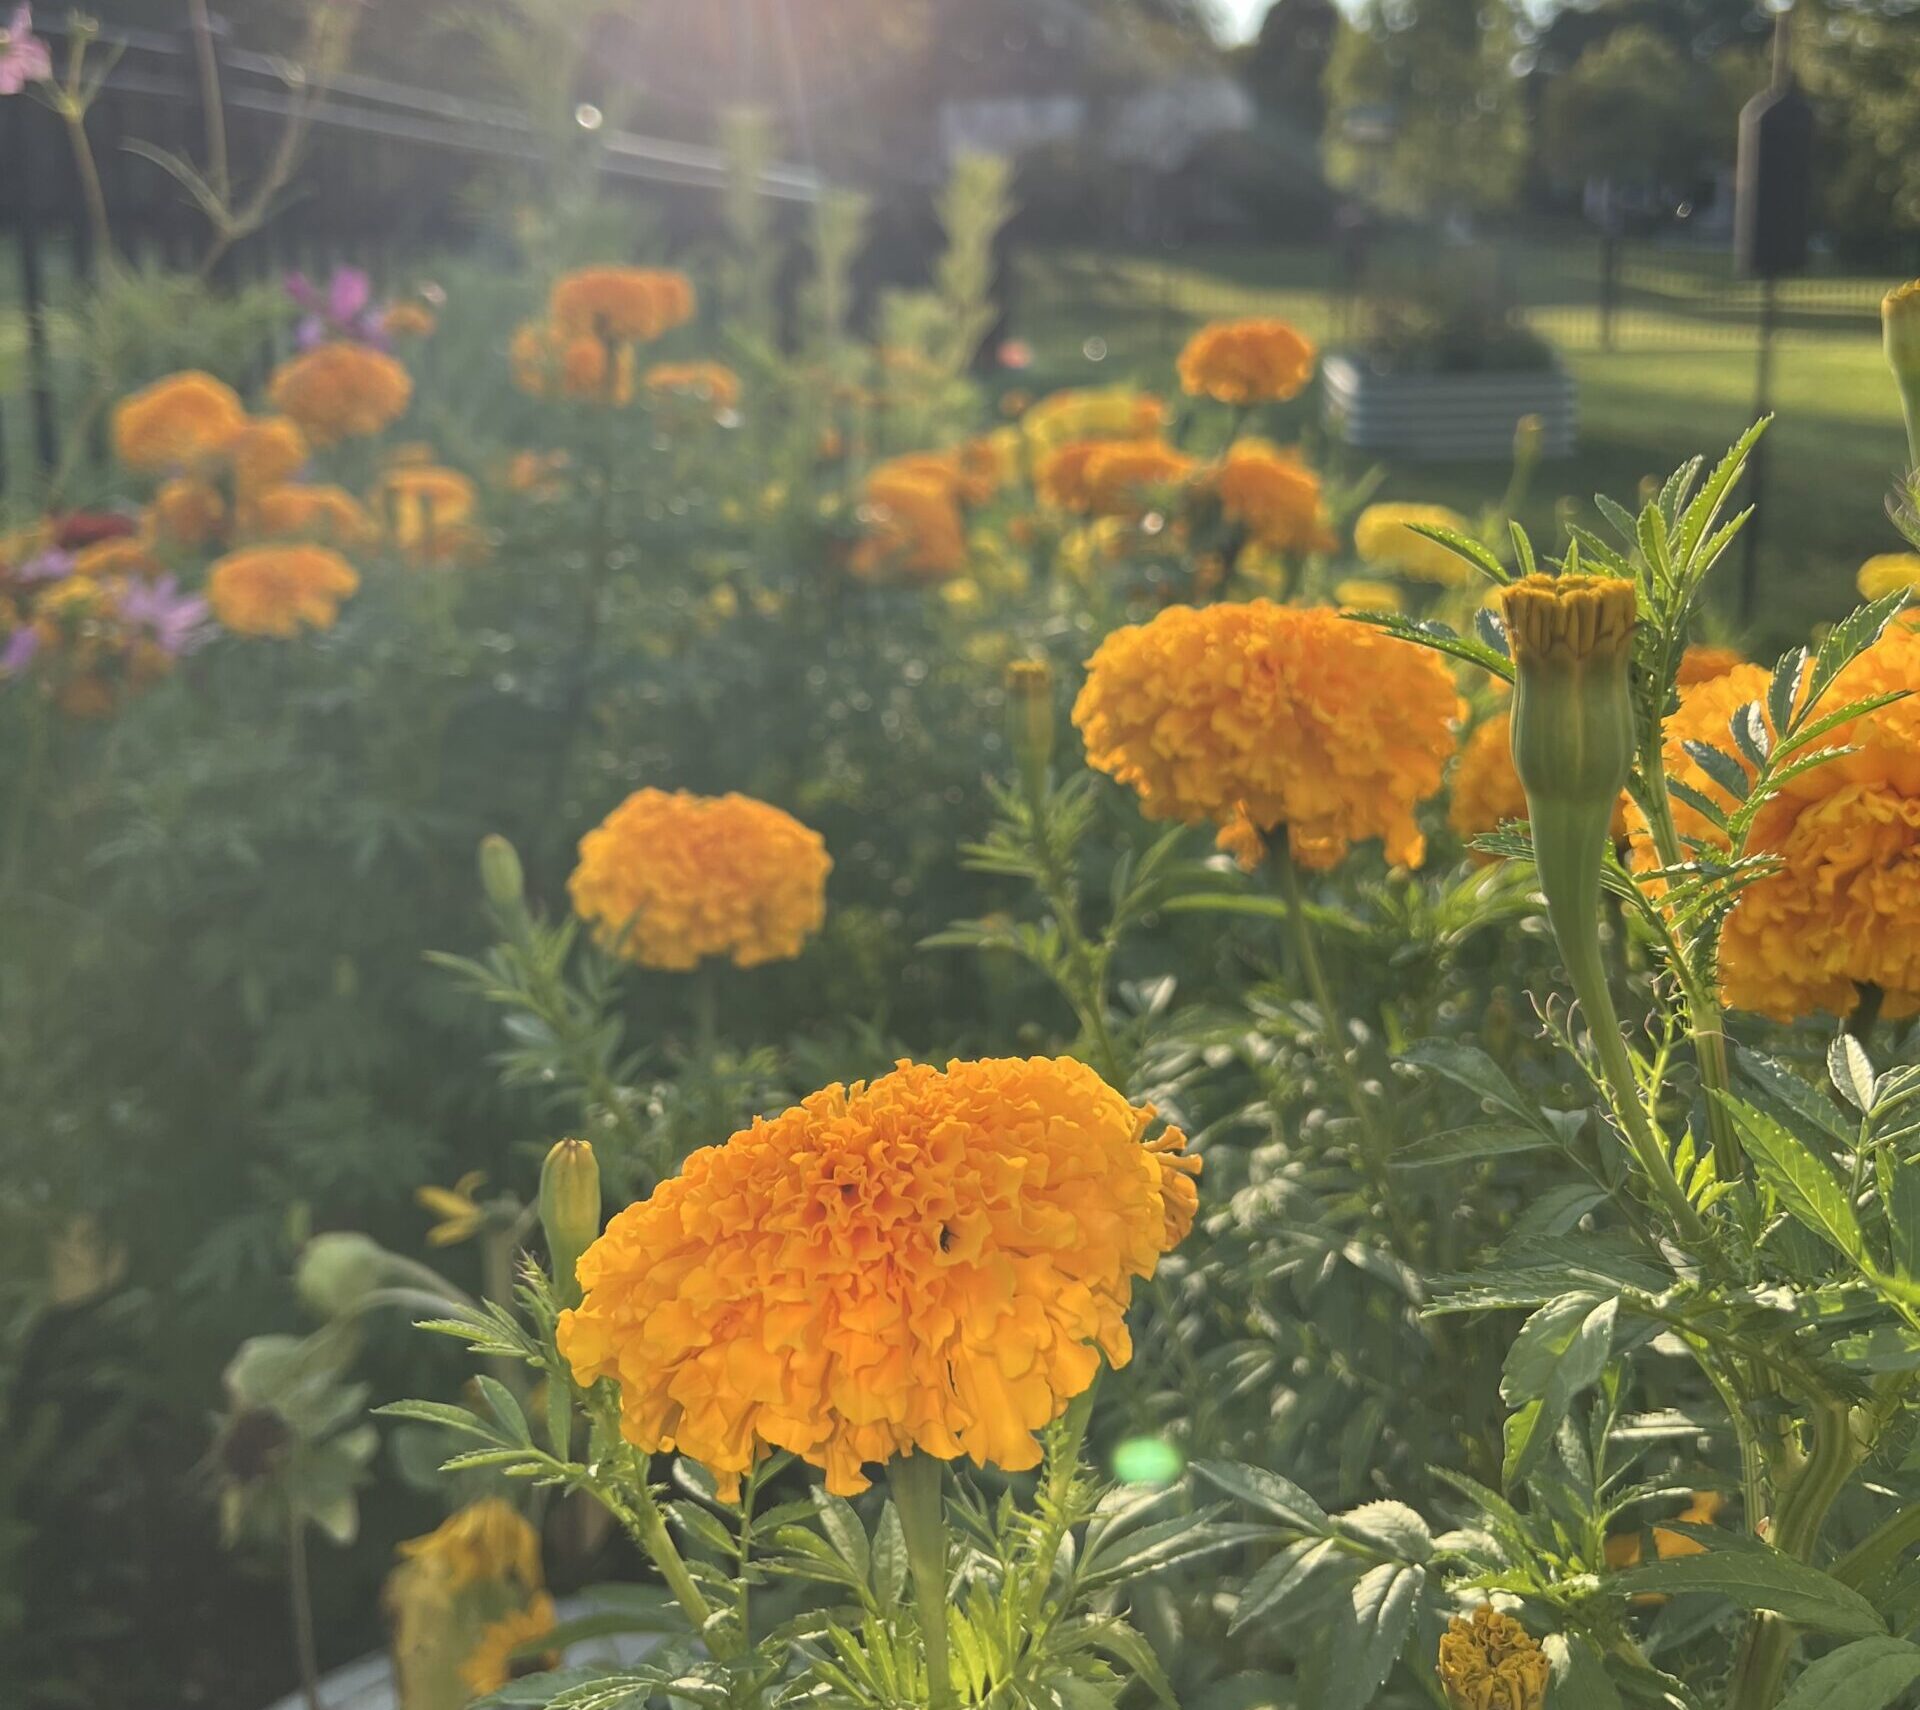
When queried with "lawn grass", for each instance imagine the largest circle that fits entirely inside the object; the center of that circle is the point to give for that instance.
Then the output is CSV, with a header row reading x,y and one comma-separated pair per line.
x,y
1680,381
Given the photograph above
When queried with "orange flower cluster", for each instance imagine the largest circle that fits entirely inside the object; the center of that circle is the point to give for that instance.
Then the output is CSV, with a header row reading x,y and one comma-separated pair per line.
x,y
1274,496
1259,716
1260,361
912,526
1109,477
933,1261
279,590
1843,910
667,880
548,362
177,422
596,317
342,390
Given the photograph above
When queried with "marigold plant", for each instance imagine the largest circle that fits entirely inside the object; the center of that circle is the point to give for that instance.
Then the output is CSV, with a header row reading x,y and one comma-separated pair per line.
x,y
1273,716
625,305
280,590
1247,362
934,1261
343,390
669,879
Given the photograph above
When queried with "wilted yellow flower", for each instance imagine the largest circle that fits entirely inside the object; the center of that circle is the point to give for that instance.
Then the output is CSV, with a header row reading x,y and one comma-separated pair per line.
x,y
711,384
933,1261
1275,715
461,1215
1103,412
1843,909
278,590
1274,496
667,880
1384,535
485,1542
265,452
342,390
911,524
1492,1663
623,305
1887,573
1247,362
187,511
327,514
177,422
490,1665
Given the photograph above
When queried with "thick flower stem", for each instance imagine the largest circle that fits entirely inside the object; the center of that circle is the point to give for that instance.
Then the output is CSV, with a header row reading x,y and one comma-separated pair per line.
x,y
649,1528
917,1492
300,1600
1802,1513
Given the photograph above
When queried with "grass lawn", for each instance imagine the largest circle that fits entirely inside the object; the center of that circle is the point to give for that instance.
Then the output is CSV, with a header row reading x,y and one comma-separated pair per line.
x,y
1680,381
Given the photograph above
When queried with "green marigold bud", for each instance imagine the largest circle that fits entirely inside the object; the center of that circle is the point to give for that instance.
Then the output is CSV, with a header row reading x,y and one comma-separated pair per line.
x,y
337,1270
1900,326
569,1211
1529,440
500,872
1030,719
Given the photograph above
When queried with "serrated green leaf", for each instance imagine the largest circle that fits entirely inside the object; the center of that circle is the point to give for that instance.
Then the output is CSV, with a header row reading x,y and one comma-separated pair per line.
x,y
1851,1072
1268,1492
1802,1183
1868,1674
1758,1578
1298,1585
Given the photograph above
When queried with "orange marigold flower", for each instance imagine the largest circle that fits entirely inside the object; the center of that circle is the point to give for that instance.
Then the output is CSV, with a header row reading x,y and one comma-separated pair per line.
x,y
1247,362
1486,791
912,524
667,880
277,590
409,320
1703,664
1283,715
933,1261
426,509
712,384
1102,412
1384,535
265,452
625,305
1274,496
491,1663
1060,476
573,365
342,390
187,512
1492,1663
176,422
1124,476
1843,909
484,1543
302,512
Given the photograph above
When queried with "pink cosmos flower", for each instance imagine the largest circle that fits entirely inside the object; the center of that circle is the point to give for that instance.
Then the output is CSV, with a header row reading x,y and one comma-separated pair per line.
x,y
24,57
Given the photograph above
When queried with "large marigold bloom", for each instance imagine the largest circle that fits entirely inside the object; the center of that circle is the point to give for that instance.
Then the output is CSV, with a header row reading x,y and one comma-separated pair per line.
x,y
668,879
1384,535
343,390
1274,496
933,1261
177,422
265,452
1257,716
320,512
911,522
1096,412
1843,909
278,590
1247,362
1492,1663
626,305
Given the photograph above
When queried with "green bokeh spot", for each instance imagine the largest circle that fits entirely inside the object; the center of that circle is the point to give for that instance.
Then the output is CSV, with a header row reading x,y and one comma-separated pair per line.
x,y
1147,1460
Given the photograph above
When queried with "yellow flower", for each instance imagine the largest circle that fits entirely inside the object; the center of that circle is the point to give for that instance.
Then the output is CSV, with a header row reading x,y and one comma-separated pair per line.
x,y
177,422
1843,909
264,452
491,1663
427,510
277,590
1384,535
1492,1663
187,512
1357,594
486,1543
1889,572
911,521
1287,716
668,880
331,515
341,391
1107,412
933,1261
461,1215
624,305
1274,496
711,384
1247,362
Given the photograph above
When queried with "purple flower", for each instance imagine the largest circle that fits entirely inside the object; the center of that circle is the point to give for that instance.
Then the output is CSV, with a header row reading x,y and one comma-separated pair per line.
x,y
24,57
176,622
344,310
48,566
18,653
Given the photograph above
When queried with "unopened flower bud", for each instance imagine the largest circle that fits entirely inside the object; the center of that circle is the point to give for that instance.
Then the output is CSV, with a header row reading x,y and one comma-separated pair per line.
x,y
1529,440
1900,326
569,1211
337,1270
500,872
1030,719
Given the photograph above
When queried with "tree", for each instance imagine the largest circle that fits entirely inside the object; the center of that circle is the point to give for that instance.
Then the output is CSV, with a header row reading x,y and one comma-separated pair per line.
x,y
1861,65
1284,65
1424,112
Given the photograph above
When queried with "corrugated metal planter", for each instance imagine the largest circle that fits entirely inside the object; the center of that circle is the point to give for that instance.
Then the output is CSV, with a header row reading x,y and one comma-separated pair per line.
x,y
1437,417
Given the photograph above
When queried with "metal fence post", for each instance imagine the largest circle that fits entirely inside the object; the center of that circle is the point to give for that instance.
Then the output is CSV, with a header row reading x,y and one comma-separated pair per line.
x,y
33,290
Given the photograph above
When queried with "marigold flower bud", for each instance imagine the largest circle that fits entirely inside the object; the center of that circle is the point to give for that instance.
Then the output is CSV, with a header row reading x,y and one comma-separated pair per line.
x,y
1030,719
501,876
1529,439
1492,1663
569,1211
337,1271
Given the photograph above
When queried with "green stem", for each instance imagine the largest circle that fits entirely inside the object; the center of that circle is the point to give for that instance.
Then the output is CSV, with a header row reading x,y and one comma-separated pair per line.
x,y
1062,1465
1802,1512
300,1599
917,1494
1088,992
649,1528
